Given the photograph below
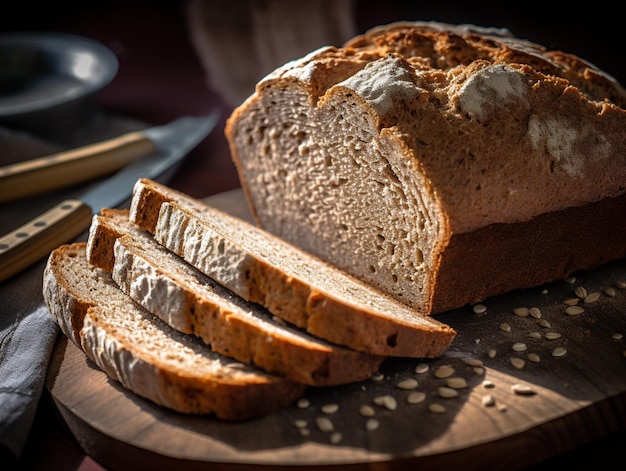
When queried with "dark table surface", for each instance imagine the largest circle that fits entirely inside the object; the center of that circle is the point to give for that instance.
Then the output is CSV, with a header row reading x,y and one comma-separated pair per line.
x,y
160,78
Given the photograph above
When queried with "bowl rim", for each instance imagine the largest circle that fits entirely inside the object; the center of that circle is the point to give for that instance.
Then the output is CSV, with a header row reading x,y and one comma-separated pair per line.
x,y
58,42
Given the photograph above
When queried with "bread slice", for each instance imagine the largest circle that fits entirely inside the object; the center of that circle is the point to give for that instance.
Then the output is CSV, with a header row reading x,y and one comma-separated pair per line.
x,y
290,283
192,303
145,355
443,164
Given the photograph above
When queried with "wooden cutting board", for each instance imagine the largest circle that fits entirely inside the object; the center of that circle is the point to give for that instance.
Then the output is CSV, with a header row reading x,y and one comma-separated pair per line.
x,y
577,397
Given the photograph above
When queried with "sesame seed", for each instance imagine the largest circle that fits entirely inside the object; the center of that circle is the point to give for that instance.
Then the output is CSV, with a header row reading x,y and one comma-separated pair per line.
x,y
324,424
523,389
559,352
535,312
488,384
517,363
488,400
574,310
371,424
416,397
330,408
617,336
521,311
474,362
519,347
478,370
533,357
446,392
422,368
592,297
436,408
456,382
303,403
300,423
610,292
367,411
335,438
534,335
444,371
504,327
377,376
387,401
570,279
479,309
620,284
580,291
491,353
544,323
408,384
552,335
305,432
571,301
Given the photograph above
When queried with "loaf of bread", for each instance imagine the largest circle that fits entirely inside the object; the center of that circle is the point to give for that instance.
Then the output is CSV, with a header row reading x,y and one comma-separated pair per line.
x,y
192,303
441,164
290,283
145,355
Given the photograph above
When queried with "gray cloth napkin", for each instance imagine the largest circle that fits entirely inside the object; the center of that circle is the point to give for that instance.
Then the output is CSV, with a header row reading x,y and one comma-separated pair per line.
x,y
27,332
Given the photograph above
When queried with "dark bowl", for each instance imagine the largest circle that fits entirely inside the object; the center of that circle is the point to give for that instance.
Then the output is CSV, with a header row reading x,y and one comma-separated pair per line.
x,y
48,81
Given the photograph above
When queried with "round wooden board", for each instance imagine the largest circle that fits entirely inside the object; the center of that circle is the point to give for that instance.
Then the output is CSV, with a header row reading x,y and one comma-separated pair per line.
x,y
577,398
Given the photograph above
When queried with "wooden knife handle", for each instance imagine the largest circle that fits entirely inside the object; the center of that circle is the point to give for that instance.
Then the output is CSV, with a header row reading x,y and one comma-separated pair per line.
x,y
36,239
74,166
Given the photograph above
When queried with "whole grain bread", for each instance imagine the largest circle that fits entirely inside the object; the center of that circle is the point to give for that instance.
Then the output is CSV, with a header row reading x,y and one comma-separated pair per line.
x,y
290,283
442,164
145,355
192,303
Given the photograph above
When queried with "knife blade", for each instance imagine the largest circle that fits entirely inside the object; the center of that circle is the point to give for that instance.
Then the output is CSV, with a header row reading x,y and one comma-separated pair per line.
x,y
85,163
34,240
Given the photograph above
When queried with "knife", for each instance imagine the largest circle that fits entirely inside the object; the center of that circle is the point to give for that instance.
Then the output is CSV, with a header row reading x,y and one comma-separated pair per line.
x,y
38,237
79,165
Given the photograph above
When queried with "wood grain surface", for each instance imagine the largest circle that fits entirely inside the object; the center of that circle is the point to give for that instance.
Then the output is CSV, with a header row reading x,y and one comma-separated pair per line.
x,y
577,397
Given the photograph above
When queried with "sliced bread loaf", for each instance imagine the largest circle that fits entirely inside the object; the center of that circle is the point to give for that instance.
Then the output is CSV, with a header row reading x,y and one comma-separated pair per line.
x,y
145,355
289,282
190,302
442,164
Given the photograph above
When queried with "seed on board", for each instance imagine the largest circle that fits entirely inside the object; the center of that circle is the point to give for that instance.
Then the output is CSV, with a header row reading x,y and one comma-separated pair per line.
x,y
416,397
544,323
371,424
592,297
456,382
488,400
444,371
518,363
303,403
305,432
330,408
335,438
387,401
617,336
504,327
519,347
324,424
479,309
474,362
377,376
570,279
552,335
408,384
559,352
446,392
571,301
535,313
523,389
620,284
422,368
574,310
533,357
488,384
610,292
521,311
300,423
436,408
367,411
534,335
479,370
491,353
580,291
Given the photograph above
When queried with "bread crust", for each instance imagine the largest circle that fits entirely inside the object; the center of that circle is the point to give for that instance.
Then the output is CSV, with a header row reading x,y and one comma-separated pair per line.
x,y
417,143
197,305
81,300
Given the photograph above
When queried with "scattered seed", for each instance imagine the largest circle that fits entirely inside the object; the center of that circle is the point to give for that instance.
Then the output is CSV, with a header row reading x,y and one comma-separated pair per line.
x,y
416,397
571,301
544,323
620,284
476,341
444,371
480,309
446,392
324,424
303,403
387,401
610,292
408,384
580,291
535,313
592,297
371,424
335,438
330,408
305,432
488,384
533,357
521,311
422,368
534,335
456,382
436,408
504,327
617,336
518,363
300,423
519,347
523,389
552,335
570,279
488,400
559,352
377,376
503,408
474,362
479,370
574,310
491,353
